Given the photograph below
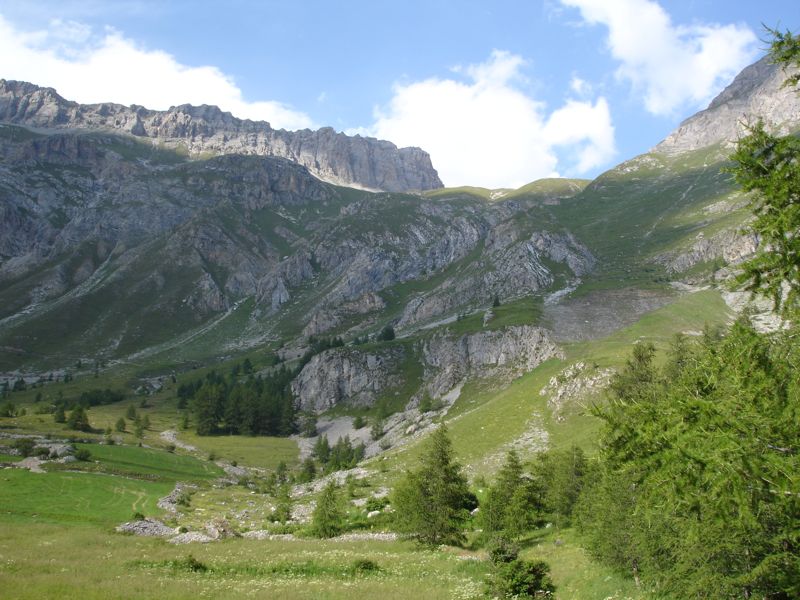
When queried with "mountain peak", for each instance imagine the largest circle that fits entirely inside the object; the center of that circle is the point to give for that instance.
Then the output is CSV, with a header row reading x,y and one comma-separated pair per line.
x,y
756,93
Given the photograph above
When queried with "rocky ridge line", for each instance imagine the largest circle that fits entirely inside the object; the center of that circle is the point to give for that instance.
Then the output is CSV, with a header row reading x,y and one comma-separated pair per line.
x,y
333,157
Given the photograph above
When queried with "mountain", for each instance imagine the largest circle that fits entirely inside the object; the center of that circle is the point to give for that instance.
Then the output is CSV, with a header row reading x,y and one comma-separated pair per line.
x,y
116,248
206,130
756,93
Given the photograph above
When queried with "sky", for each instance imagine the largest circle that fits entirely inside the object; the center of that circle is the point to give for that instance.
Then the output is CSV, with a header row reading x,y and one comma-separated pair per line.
x,y
499,92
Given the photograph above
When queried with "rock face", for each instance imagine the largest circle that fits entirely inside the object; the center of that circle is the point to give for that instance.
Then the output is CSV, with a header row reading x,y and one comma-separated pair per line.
x,y
507,352
730,246
345,376
331,156
755,93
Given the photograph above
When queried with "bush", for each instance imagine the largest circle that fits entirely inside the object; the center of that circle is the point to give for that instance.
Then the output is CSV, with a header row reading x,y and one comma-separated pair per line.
x,y
359,422
190,563
137,516
365,565
373,504
79,420
386,334
82,454
24,446
523,579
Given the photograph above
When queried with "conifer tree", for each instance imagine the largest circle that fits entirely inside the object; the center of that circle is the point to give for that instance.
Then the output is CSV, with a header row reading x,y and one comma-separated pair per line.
x,y
328,517
431,502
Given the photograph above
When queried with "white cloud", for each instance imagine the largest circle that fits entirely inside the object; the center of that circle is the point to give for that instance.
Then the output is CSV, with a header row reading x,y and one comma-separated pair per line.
x,y
485,131
580,86
109,67
672,66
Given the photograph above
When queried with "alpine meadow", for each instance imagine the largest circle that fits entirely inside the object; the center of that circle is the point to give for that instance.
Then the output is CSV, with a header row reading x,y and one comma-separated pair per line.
x,y
252,359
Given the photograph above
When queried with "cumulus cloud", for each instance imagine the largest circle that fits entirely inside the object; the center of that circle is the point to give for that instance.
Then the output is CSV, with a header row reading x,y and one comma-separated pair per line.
x,y
109,67
482,129
672,66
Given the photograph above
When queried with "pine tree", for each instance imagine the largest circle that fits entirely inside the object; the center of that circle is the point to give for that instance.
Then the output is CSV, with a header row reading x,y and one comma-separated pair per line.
x,y
283,504
431,502
328,517
58,415
120,425
78,419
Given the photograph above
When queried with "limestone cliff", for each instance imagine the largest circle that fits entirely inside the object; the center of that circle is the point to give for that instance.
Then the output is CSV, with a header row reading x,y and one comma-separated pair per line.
x,y
331,156
756,93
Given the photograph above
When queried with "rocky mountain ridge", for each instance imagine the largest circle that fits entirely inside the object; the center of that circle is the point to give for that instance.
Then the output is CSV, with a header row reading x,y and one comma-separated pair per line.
x,y
756,93
207,130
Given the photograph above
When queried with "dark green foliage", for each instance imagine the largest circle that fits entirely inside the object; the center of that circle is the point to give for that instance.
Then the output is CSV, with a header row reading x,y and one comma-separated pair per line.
x,y
98,397
83,454
515,578
769,167
308,471
283,505
78,419
7,409
376,432
24,446
386,334
343,455
19,385
374,504
257,406
495,301
322,449
696,490
523,579
120,425
560,476
785,50
328,517
308,425
359,422
59,416
191,564
131,412
432,503
364,565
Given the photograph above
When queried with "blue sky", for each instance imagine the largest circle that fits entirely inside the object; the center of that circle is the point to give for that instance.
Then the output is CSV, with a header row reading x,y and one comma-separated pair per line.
x,y
499,92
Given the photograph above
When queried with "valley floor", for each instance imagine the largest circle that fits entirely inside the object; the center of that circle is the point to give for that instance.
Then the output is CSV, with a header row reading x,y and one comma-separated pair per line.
x,y
57,534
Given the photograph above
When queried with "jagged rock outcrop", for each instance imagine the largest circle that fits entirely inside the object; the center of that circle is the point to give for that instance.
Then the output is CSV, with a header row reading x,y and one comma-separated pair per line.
x,y
730,245
507,352
511,265
345,376
756,93
331,156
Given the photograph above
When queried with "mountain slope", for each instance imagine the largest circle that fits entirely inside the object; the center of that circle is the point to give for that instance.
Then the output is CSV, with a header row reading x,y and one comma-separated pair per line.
x,y
116,248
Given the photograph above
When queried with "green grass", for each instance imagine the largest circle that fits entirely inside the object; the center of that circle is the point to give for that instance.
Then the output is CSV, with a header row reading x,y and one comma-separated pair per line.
x,y
578,577
148,463
75,498
261,452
